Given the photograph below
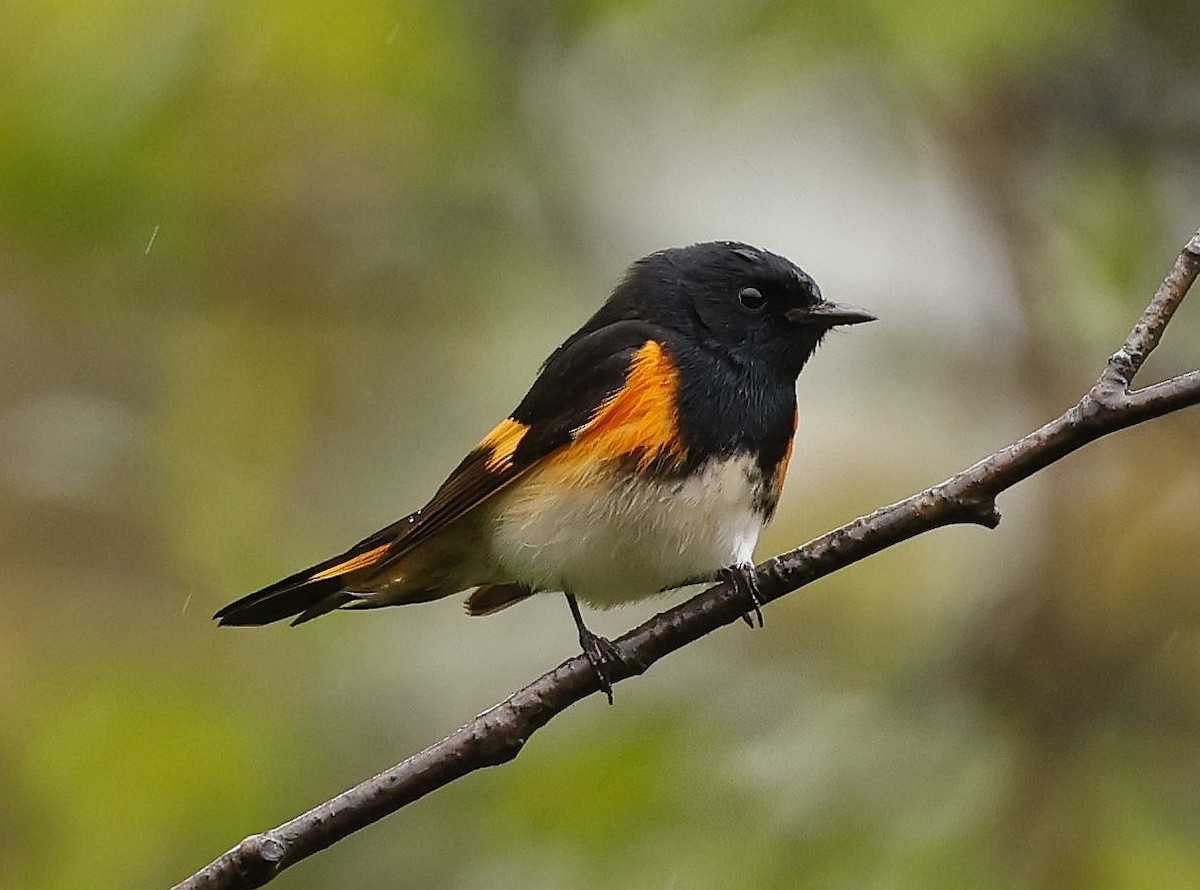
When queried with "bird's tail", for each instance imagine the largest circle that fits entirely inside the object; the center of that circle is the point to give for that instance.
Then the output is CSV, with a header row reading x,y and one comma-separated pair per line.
x,y
308,594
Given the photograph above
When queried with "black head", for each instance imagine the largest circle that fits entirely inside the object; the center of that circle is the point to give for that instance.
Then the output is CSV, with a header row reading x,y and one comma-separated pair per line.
x,y
752,306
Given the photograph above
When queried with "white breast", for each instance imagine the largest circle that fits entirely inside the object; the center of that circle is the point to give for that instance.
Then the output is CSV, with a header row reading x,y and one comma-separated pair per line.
x,y
610,540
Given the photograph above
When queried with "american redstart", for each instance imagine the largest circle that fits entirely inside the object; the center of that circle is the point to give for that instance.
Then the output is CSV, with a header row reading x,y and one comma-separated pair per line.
x,y
648,454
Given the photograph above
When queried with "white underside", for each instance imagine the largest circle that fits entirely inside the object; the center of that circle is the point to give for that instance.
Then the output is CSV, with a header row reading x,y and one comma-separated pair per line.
x,y
609,540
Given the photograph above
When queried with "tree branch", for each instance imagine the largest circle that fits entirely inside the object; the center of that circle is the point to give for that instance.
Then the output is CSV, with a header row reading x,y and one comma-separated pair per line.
x,y
499,734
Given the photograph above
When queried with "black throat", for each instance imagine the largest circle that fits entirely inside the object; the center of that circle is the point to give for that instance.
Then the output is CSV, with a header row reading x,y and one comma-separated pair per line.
x,y
728,408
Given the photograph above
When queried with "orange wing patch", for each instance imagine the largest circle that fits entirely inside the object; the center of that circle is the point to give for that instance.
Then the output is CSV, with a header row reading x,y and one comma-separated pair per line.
x,y
355,562
501,443
641,418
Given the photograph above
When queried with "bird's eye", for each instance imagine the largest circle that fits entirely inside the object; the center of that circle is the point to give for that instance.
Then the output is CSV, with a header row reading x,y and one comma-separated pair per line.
x,y
751,298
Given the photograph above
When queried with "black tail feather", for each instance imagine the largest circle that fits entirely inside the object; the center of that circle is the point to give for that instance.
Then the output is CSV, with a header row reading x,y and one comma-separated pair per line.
x,y
308,593
282,600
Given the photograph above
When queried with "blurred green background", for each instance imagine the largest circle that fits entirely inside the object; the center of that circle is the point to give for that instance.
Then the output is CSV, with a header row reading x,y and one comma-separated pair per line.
x,y
267,269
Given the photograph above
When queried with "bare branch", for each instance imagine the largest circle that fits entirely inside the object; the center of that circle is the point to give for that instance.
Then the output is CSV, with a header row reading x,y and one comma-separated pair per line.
x,y
498,734
1127,361
1163,398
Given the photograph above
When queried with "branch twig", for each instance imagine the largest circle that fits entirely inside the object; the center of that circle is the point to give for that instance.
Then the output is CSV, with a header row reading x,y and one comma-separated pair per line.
x,y
500,733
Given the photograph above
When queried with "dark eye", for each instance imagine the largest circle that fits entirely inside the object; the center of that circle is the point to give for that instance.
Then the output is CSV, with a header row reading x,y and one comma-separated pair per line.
x,y
751,298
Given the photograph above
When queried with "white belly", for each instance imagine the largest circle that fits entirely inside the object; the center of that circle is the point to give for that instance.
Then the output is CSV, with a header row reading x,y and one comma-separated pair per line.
x,y
610,541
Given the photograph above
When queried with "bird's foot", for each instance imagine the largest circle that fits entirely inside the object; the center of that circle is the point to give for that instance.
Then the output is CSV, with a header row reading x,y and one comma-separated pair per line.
x,y
743,580
600,652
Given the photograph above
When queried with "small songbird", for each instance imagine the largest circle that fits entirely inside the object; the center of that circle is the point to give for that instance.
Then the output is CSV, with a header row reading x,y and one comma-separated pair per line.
x,y
648,454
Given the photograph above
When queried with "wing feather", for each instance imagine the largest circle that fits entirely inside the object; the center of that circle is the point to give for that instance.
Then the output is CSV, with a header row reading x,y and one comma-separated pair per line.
x,y
572,387
569,392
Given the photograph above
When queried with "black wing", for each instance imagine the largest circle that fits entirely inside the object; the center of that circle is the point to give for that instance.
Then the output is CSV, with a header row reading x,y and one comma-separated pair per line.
x,y
575,381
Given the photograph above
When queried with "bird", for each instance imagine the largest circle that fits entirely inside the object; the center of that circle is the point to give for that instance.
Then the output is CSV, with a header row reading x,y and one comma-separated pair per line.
x,y
648,455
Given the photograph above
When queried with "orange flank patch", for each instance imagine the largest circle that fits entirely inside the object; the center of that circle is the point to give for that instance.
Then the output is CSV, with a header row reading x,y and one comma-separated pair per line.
x,y
641,418
355,562
502,442
781,470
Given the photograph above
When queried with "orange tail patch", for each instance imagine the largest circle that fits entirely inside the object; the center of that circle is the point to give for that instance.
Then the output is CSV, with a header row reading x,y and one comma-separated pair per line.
x,y
361,561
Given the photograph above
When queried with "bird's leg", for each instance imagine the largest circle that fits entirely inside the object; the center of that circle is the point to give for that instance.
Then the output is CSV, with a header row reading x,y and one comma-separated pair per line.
x,y
743,580
599,651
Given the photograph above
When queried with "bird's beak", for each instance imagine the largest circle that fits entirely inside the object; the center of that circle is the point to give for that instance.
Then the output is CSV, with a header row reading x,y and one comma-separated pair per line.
x,y
828,315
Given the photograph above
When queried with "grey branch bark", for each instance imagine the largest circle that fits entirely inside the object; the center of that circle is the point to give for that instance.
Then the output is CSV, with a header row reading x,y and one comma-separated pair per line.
x,y
499,734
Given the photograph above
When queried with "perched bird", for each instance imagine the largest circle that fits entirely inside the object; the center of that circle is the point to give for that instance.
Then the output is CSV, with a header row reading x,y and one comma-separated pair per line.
x,y
648,454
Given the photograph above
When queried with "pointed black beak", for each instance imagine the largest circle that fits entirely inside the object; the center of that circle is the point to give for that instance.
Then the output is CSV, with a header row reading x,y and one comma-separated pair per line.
x,y
828,315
